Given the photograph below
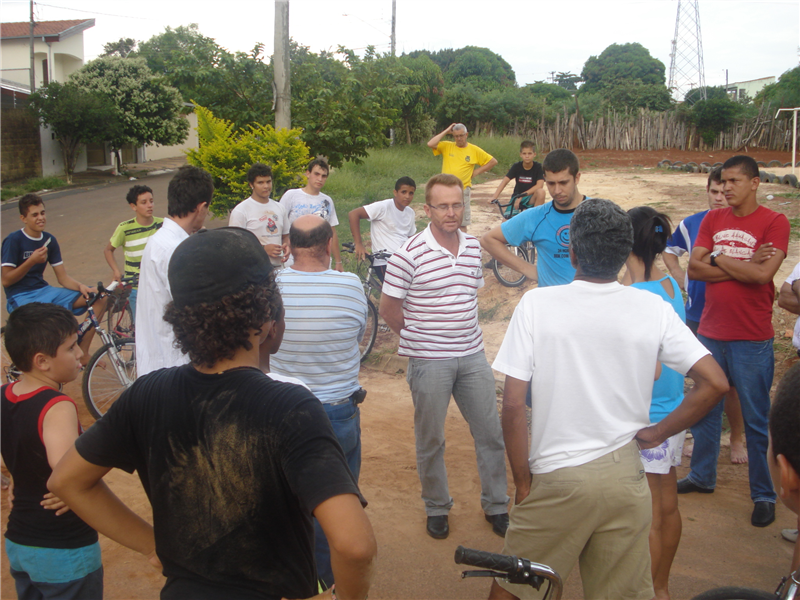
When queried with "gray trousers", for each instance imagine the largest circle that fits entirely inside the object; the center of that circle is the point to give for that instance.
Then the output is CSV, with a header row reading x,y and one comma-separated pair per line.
x,y
470,381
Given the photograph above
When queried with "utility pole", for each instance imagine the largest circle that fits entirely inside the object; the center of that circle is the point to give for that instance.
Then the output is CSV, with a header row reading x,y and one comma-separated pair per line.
x,y
281,85
394,22
33,62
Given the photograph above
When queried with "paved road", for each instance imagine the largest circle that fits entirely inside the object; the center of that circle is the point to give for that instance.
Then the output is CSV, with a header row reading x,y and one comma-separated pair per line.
x,y
84,219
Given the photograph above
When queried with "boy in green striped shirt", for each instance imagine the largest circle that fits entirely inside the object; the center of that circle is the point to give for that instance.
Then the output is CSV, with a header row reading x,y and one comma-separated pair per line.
x,y
133,235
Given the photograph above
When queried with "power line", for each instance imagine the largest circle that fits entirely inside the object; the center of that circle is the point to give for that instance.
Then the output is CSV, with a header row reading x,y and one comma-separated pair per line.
x,y
89,12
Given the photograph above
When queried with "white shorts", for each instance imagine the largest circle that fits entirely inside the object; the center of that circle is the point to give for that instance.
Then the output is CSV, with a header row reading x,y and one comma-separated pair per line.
x,y
661,458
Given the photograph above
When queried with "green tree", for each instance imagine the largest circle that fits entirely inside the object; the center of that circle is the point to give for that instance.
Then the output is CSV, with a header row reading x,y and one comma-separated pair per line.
x,y
621,63
76,117
696,94
568,80
122,47
634,94
227,154
148,110
714,116
783,94
424,92
473,66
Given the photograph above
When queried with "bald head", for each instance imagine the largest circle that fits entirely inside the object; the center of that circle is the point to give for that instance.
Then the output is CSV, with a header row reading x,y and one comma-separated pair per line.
x,y
310,236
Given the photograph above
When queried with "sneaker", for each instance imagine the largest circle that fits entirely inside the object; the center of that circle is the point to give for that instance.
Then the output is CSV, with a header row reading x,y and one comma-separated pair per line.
x,y
790,535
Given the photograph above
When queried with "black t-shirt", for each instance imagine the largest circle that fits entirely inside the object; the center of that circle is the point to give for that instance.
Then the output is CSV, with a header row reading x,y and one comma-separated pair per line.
x,y
526,178
233,464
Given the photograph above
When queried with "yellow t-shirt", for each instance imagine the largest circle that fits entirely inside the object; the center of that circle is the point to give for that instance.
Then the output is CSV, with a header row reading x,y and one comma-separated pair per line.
x,y
461,161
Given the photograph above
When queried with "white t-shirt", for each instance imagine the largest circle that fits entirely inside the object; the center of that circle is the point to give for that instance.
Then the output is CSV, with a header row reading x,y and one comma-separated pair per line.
x,y
590,351
790,280
296,203
389,227
265,220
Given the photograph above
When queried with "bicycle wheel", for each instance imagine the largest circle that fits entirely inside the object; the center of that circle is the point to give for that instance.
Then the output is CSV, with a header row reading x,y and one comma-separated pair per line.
x,y
368,339
111,371
506,275
734,593
119,320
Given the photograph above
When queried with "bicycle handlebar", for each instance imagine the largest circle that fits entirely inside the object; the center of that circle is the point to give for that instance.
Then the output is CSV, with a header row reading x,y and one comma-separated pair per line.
x,y
380,254
514,569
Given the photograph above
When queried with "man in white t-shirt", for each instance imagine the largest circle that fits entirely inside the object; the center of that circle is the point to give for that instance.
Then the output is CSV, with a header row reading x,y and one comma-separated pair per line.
x,y
789,299
310,200
391,223
262,215
590,351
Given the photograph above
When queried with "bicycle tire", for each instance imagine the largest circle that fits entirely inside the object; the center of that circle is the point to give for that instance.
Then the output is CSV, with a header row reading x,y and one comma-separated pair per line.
x,y
367,341
735,593
506,275
119,319
101,385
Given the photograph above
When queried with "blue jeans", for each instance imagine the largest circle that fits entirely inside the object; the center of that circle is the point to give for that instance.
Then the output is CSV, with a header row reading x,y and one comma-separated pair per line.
x,y
749,367
346,421
132,302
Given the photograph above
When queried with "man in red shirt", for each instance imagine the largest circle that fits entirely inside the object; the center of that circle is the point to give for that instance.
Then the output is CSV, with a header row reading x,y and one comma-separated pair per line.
x,y
736,325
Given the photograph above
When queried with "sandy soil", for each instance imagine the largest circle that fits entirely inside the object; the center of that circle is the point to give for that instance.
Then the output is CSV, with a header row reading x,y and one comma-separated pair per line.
x,y
719,546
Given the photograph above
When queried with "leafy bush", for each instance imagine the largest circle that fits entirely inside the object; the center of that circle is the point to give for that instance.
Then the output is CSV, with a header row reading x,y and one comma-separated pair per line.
x,y
714,116
227,155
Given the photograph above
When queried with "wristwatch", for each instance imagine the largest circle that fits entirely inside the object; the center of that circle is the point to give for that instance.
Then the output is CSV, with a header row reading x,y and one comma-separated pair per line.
x,y
714,256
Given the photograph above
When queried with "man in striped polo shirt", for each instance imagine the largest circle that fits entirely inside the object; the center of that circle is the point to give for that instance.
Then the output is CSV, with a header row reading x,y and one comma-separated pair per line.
x,y
132,235
326,314
430,299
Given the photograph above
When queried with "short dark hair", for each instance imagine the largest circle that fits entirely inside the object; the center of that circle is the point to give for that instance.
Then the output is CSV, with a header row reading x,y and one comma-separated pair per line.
x,y
526,144
313,239
442,179
746,164
404,181
258,170
37,327
558,160
135,192
318,162
714,176
784,418
601,237
27,201
212,331
651,229
190,188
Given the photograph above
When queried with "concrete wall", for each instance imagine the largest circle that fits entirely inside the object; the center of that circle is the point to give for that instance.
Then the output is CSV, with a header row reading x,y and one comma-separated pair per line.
x,y
53,157
19,145
63,58
157,152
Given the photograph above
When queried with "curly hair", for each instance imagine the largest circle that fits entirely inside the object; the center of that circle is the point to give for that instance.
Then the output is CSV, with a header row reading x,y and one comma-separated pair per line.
x,y
212,331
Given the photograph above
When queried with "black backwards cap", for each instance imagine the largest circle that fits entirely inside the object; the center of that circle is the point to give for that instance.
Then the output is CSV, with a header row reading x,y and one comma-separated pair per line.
x,y
215,263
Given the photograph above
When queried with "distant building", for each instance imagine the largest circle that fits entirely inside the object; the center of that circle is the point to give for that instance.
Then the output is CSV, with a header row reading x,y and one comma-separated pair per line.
x,y
747,89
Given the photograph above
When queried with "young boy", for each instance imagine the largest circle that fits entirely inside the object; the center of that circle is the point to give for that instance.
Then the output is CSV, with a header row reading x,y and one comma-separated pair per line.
x,y
783,455
51,551
25,255
310,200
391,223
262,215
529,179
133,235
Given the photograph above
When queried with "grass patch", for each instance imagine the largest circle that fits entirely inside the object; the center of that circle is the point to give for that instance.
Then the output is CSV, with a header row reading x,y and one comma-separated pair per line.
x,y
37,184
794,234
488,314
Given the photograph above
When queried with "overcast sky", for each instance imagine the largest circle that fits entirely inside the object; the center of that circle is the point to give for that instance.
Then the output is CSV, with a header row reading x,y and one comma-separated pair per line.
x,y
749,38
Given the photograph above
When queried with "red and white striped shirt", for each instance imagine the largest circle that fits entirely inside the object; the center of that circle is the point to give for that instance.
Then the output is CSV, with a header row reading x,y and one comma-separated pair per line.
x,y
440,293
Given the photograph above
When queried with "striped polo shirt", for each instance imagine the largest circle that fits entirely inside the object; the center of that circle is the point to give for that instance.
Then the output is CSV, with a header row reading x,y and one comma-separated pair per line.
x,y
133,238
440,293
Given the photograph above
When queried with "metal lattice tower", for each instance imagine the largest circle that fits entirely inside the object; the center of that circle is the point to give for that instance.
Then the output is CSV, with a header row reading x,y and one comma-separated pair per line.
x,y
686,70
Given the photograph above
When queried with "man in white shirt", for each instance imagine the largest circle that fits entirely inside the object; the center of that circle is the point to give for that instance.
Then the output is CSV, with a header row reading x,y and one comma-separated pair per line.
x,y
590,351
391,223
188,197
262,215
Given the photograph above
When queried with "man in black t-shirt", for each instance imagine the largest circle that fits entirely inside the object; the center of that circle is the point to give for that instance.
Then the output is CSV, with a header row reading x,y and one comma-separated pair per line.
x,y
234,463
529,178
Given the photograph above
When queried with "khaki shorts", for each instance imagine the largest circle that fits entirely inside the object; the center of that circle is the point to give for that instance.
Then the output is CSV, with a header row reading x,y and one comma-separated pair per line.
x,y
599,514
467,218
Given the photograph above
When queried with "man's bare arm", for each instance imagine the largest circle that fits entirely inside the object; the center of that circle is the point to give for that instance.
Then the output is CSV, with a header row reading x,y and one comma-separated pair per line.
x,y
515,435
751,272
501,187
109,254
674,267
710,384
434,141
700,268
355,216
483,168
12,275
354,550
536,186
336,252
494,242
391,311
71,284
788,300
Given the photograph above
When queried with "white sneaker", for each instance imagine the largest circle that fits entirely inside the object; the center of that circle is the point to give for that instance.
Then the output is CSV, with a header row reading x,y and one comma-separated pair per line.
x,y
790,535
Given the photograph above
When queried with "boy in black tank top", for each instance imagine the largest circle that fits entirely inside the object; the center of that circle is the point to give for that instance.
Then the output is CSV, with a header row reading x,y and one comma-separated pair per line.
x,y
51,551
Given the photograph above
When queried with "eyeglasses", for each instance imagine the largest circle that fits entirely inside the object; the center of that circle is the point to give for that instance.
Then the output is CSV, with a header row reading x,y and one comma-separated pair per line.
x,y
446,207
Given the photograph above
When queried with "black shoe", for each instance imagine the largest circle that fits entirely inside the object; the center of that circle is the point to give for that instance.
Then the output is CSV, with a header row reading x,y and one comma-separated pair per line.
x,y
438,527
686,486
489,264
499,523
763,514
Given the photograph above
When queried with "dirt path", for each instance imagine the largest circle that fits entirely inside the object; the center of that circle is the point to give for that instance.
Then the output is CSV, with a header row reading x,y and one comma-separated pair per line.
x,y
719,546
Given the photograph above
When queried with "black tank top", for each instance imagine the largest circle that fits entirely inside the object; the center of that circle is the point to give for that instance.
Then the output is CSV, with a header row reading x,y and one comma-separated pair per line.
x,y
24,454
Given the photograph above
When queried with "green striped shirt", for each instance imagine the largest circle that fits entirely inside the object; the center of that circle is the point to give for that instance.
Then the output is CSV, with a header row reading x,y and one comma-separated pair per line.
x,y
132,237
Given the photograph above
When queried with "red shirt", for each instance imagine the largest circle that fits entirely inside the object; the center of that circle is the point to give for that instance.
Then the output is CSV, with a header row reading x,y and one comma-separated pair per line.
x,y
737,311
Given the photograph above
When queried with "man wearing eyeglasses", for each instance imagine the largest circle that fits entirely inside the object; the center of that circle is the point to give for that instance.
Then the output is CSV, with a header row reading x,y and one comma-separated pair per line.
x,y
430,300
462,159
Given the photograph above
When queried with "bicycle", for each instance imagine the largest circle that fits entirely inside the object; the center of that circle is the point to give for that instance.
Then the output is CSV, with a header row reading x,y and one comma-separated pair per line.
x,y
527,252
111,369
788,589
511,569
119,315
371,283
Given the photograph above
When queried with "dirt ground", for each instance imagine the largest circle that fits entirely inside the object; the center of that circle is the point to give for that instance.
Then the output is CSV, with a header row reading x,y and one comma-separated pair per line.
x,y
719,546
